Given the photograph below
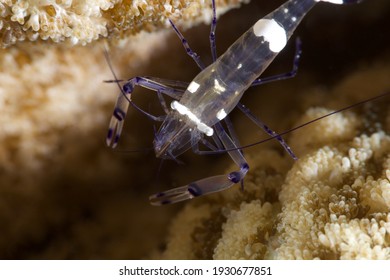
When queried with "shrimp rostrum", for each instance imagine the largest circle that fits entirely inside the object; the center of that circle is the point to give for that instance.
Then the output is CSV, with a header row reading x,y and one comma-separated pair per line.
x,y
199,106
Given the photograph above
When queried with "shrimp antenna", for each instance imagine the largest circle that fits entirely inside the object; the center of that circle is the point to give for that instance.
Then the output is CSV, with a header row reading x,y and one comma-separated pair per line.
x,y
305,124
116,80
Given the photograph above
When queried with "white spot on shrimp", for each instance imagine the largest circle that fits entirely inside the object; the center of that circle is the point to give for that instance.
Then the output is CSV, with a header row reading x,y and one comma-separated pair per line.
x,y
239,66
218,87
205,129
272,32
183,110
294,19
221,114
332,1
285,11
193,87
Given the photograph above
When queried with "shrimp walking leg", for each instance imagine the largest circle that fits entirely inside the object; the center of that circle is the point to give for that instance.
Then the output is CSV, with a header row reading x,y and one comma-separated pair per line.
x,y
287,75
187,47
212,33
269,131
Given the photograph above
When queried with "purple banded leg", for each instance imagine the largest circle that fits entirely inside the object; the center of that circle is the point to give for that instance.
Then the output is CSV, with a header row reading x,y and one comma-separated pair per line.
x,y
284,76
124,99
210,184
187,47
260,81
212,33
269,131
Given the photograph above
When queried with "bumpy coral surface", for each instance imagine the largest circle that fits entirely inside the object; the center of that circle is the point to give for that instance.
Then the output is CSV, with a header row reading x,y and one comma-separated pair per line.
x,y
56,20
333,216
81,22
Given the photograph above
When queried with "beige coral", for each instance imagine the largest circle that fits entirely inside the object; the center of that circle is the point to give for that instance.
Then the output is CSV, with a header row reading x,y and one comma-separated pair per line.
x,y
245,231
77,21
81,22
326,213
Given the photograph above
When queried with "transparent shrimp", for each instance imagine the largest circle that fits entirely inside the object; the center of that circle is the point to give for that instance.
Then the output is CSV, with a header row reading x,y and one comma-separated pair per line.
x,y
200,106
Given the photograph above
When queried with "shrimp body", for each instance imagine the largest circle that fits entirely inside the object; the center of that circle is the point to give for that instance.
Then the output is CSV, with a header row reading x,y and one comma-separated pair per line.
x,y
200,106
217,89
